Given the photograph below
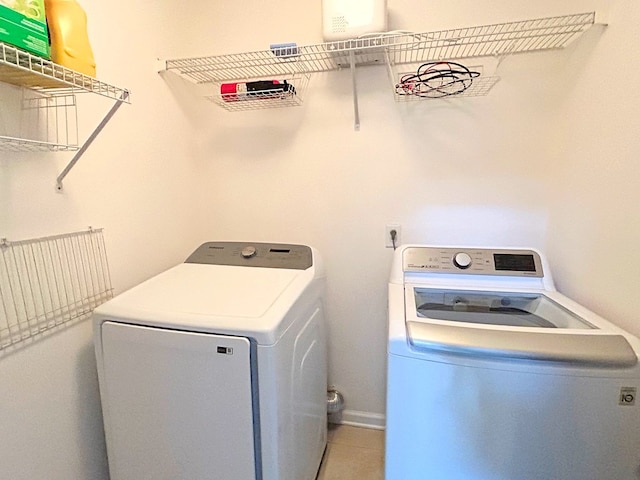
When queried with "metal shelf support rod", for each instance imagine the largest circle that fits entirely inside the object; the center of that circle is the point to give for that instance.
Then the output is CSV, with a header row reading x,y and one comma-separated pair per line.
x,y
356,113
123,98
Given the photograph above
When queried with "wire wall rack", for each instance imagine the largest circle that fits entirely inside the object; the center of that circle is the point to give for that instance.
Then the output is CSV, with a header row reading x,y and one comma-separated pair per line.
x,y
393,49
487,40
49,282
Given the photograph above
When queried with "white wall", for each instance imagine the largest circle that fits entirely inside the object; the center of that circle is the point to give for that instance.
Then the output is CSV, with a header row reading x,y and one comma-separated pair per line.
x,y
524,165
595,226
473,171
137,181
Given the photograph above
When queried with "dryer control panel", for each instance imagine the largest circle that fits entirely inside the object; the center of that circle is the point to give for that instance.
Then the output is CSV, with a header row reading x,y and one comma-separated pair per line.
x,y
244,254
472,261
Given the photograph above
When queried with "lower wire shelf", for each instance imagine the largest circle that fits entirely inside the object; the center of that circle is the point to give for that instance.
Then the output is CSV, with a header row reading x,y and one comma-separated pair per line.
x,y
11,144
37,122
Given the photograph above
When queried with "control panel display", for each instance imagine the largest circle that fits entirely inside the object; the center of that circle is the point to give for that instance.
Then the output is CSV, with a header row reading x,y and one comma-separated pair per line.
x,y
514,263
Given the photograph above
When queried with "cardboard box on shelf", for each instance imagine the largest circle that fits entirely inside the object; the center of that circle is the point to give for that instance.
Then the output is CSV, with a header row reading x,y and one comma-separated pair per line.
x,y
23,24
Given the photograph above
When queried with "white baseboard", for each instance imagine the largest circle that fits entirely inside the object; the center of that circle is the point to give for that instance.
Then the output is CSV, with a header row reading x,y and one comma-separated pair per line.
x,y
356,418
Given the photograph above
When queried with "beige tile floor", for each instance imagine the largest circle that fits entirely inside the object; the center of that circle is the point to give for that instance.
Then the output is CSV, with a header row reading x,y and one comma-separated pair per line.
x,y
353,453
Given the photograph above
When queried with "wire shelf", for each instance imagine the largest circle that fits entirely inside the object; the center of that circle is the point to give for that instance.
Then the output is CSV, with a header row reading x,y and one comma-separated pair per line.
x,y
274,63
52,281
23,69
393,49
480,41
489,40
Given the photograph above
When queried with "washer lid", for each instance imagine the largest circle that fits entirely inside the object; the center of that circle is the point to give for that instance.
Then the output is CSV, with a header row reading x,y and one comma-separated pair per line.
x,y
514,309
509,325
602,350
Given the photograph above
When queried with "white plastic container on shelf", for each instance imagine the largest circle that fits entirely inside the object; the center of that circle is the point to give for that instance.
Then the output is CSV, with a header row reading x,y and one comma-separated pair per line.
x,y
342,19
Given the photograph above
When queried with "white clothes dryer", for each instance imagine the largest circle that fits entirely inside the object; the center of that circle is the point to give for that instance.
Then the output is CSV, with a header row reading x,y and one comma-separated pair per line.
x,y
494,375
216,368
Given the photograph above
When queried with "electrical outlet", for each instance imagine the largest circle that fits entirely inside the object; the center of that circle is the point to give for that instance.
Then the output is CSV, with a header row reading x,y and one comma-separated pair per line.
x,y
389,242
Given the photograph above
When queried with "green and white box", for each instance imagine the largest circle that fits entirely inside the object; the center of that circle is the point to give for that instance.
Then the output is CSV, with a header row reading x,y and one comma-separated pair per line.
x,y
23,24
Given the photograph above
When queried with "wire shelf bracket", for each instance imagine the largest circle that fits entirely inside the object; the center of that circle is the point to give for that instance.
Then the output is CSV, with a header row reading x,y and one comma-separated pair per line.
x,y
103,123
356,110
50,282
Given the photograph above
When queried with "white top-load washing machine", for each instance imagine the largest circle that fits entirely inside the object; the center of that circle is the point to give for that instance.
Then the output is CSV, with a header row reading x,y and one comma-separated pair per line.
x,y
216,368
494,375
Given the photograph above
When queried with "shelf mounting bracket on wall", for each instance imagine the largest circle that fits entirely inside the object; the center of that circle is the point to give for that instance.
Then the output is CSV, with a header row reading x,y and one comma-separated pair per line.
x,y
356,112
124,96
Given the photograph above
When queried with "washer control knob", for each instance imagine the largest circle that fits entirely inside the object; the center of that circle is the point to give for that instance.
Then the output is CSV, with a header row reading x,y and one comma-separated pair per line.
x,y
248,252
462,260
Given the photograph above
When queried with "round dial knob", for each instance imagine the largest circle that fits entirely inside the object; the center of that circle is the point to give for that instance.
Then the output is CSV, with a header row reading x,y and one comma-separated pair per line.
x,y
462,260
248,252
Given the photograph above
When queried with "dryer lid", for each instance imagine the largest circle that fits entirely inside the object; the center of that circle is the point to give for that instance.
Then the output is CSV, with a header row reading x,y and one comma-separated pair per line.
x,y
208,290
